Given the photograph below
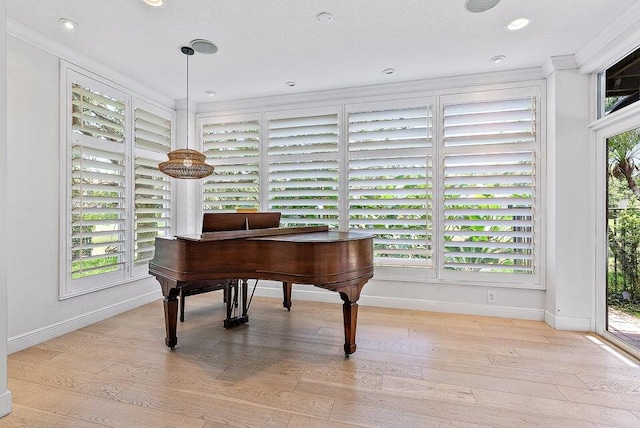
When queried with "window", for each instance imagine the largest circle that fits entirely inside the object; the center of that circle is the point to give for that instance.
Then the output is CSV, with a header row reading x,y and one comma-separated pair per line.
x,y
97,161
106,234
489,152
303,168
448,185
619,84
152,188
232,145
390,160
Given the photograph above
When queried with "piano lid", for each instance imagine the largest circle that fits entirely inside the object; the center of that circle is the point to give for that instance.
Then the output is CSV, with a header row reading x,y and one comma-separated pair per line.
x,y
253,233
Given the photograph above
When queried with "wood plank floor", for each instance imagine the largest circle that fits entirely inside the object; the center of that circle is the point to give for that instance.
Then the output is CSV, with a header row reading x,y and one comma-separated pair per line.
x,y
411,369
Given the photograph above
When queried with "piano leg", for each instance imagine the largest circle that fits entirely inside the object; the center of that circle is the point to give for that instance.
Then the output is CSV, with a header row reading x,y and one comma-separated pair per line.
x,y
286,291
350,315
171,317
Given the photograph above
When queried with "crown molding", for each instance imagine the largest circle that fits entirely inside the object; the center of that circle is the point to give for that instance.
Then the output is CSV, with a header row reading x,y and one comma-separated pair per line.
x,y
618,39
558,63
27,35
391,89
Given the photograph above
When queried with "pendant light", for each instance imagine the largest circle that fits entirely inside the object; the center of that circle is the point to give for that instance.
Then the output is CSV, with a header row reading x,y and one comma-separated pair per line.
x,y
186,163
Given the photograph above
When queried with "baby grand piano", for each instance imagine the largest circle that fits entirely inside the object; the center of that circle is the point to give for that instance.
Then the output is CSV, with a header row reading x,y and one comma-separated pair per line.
x,y
333,260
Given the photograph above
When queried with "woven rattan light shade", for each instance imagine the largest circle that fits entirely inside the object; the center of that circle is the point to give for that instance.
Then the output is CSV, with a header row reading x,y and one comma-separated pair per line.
x,y
186,163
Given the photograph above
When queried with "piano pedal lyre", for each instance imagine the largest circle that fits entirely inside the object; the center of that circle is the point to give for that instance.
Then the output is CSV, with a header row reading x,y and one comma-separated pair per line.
x,y
236,300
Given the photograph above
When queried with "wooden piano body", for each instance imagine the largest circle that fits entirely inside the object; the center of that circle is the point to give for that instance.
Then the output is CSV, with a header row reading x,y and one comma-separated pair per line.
x,y
332,260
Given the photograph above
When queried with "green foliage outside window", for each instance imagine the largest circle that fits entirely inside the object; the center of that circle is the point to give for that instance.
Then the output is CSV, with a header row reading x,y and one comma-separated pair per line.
x,y
623,282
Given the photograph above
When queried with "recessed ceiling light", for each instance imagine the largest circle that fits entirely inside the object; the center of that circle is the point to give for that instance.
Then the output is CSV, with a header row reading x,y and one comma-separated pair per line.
x,y
290,83
211,93
203,46
68,24
518,24
498,58
389,70
324,17
477,6
154,3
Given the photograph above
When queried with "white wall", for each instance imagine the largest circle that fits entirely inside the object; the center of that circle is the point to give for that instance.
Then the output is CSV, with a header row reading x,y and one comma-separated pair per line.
x,y
187,191
425,296
34,312
570,216
5,395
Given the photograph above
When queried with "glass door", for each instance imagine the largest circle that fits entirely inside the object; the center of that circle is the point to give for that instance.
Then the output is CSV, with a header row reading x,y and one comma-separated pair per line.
x,y
622,301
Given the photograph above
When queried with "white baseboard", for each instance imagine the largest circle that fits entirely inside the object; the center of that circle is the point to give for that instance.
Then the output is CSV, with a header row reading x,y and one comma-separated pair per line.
x,y
566,323
32,338
5,403
318,295
455,308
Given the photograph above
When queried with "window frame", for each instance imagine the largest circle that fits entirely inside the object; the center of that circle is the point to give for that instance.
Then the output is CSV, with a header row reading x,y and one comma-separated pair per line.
x,y
489,96
601,86
70,74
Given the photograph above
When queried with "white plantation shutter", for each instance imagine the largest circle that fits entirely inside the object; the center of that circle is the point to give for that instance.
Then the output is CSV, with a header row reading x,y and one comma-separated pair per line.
x,y
152,208
115,201
233,146
97,195
152,188
152,131
489,176
446,184
97,115
390,168
303,169
97,211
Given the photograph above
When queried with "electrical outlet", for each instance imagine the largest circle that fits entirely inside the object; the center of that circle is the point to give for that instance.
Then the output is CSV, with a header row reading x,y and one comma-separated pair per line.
x,y
491,296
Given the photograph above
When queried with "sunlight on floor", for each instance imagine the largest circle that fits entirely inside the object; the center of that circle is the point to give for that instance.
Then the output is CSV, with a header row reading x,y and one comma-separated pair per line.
x,y
613,351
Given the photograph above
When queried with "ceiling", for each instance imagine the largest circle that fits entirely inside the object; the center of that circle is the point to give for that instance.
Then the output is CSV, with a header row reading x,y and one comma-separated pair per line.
x,y
262,44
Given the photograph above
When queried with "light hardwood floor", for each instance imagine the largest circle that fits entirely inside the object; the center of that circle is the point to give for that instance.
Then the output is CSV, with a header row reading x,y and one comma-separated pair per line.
x,y
411,369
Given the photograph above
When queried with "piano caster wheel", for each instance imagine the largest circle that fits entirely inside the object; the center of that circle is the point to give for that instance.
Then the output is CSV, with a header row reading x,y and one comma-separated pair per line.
x,y
173,348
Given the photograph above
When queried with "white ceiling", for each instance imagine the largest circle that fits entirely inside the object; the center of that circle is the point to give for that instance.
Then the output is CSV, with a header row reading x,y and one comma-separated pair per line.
x,y
265,43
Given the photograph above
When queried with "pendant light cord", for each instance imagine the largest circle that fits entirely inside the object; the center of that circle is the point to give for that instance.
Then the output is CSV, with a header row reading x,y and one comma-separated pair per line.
x,y
187,107
186,163
188,52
